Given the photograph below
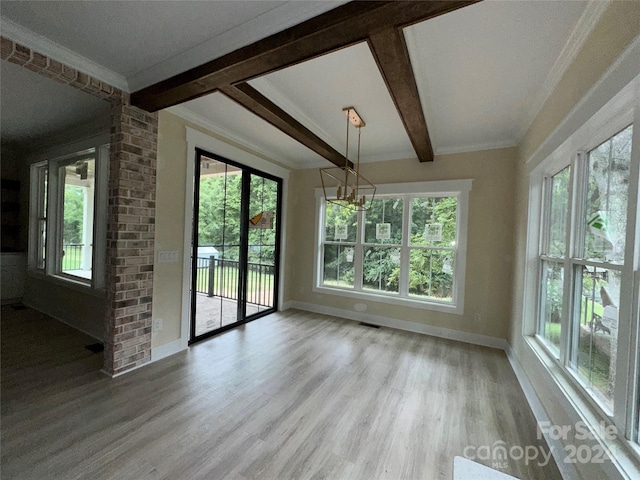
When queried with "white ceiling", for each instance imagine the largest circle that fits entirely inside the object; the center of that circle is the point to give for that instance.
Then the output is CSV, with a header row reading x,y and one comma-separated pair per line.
x,y
479,68
482,71
315,92
118,25
146,41
33,107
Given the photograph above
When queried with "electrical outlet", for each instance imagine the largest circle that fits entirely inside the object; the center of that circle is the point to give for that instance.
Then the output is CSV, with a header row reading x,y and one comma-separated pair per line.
x,y
157,325
477,318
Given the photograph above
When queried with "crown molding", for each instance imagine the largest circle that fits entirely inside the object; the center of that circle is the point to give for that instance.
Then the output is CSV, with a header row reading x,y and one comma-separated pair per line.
x,y
476,147
43,45
384,157
268,23
227,135
587,21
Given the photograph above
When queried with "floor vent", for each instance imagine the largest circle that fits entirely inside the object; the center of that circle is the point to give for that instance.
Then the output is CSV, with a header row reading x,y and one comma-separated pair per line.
x,y
95,347
369,325
18,306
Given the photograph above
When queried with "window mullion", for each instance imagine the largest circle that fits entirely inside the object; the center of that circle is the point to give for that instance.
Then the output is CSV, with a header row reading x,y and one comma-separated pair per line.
x,y
403,282
53,217
58,239
358,253
578,201
544,200
320,239
576,195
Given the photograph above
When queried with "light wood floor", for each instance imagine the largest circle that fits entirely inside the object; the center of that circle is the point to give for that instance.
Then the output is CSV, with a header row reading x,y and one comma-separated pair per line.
x,y
291,395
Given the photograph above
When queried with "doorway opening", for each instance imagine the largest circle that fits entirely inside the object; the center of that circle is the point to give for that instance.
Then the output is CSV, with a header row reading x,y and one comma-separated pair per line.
x,y
235,245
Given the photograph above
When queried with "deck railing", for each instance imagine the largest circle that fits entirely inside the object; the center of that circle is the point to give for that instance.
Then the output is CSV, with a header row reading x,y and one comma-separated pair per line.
x,y
219,278
72,256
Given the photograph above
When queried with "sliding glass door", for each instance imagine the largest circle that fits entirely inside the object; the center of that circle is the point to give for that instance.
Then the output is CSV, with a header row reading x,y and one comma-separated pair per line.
x,y
235,252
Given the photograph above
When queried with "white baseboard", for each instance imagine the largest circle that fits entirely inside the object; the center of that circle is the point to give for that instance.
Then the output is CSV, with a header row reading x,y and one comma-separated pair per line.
x,y
286,305
126,371
166,350
157,353
567,470
473,338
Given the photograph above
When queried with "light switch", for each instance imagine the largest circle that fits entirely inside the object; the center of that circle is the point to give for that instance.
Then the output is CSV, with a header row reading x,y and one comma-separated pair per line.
x,y
168,257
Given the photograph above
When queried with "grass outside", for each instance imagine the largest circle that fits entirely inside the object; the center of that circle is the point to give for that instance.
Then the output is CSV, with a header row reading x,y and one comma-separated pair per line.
x,y
599,363
590,308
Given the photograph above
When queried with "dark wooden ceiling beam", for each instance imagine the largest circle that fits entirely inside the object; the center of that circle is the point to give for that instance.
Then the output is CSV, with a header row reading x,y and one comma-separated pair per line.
x,y
251,99
392,56
341,27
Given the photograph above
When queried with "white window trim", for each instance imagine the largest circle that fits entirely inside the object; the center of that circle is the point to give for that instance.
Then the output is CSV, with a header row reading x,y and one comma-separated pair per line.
x,y
53,159
622,110
457,188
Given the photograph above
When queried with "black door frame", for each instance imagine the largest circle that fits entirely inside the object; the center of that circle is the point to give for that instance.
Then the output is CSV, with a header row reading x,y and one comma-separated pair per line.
x,y
244,244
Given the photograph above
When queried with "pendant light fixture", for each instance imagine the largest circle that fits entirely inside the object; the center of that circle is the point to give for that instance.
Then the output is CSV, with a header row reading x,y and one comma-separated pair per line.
x,y
345,186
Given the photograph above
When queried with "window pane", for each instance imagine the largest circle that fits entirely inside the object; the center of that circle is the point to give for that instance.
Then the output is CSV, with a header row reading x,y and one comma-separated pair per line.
x,y
431,274
77,214
606,203
219,211
557,210
340,224
433,221
383,221
595,332
263,199
42,242
42,217
551,303
381,269
338,265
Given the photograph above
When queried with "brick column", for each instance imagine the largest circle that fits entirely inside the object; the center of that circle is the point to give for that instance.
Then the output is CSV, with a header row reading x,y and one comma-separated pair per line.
x,y
130,237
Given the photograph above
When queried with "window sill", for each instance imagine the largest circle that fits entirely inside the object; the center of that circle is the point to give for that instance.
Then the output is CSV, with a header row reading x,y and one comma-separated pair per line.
x,y
67,282
624,454
570,376
391,299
